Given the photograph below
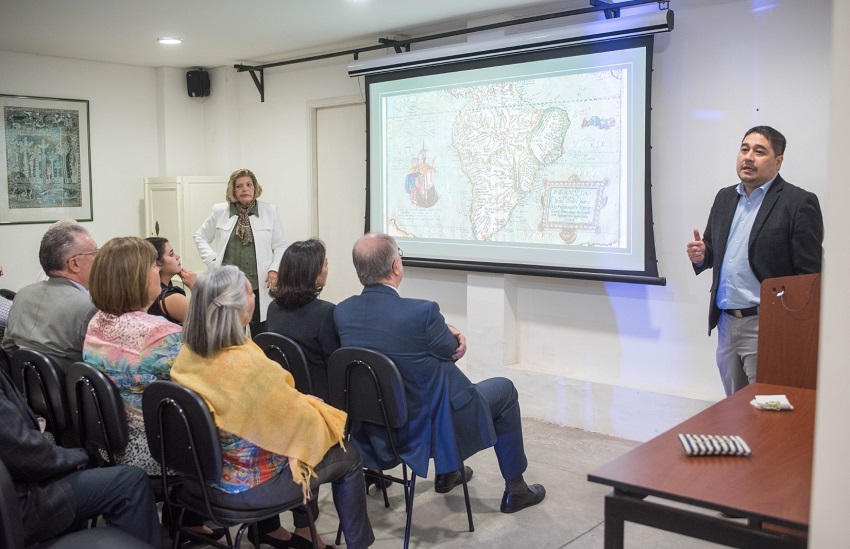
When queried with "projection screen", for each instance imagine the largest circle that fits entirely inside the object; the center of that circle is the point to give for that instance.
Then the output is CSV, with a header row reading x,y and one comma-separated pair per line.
x,y
534,163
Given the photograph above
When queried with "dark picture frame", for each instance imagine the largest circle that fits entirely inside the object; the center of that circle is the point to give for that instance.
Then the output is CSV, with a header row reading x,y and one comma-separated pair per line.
x,y
45,160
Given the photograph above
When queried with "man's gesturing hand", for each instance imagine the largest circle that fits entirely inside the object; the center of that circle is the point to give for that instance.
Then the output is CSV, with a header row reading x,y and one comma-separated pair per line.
x,y
696,249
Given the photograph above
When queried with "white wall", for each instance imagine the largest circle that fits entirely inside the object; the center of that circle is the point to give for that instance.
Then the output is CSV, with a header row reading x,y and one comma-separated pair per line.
x,y
622,359
123,130
276,136
831,476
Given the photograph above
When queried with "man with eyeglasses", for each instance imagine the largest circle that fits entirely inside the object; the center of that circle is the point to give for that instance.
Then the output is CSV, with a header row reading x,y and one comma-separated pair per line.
x,y
449,417
52,316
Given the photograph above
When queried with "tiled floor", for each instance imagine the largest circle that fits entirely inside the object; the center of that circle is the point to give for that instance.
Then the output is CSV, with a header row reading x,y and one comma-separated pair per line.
x,y
570,517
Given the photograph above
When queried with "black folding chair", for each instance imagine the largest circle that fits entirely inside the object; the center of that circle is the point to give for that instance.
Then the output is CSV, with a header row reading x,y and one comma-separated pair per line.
x,y
366,384
288,354
97,410
12,529
182,437
42,383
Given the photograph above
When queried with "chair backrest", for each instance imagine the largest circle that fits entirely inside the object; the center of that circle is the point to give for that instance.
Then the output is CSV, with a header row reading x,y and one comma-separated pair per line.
x,y
43,386
288,354
181,433
11,522
366,384
6,363
97,410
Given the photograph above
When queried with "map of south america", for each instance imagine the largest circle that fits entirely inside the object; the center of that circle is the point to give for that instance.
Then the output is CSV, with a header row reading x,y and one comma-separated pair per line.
x,y
538,160
502,142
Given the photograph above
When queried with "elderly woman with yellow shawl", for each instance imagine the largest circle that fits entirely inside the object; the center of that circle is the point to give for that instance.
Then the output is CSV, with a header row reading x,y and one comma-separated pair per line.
x,y
273,438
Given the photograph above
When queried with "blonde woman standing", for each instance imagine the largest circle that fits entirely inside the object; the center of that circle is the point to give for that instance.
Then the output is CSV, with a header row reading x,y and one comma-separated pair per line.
x,y
247,233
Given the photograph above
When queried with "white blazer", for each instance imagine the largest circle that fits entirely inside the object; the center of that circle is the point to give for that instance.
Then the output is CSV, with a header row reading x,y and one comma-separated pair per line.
x,y
212,237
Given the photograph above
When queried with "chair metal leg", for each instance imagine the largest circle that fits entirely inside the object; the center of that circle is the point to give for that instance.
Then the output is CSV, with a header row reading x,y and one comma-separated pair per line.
x,y
313,532
406,482
239,533
466,498
409,503
379,484
384,490
178,528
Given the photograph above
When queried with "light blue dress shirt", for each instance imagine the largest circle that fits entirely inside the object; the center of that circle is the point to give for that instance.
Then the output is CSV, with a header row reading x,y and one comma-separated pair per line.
x,y
738,287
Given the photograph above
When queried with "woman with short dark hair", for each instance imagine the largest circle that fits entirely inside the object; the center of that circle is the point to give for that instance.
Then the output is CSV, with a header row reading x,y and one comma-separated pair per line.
x,y
299,314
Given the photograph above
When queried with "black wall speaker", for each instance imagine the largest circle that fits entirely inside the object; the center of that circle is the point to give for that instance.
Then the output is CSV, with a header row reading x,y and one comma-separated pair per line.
x,y
198,83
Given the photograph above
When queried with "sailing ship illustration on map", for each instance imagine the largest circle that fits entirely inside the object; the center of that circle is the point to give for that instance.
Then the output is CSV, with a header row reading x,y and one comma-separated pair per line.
x,y
419,182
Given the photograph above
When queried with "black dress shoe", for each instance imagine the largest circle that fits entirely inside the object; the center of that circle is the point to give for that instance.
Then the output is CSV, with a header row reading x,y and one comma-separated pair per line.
x,y
444,483
297,542
217,533
193,538
274,542
511,503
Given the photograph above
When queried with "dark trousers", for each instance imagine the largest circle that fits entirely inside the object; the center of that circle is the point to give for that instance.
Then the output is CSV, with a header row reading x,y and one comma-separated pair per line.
x,y
123,495
255,325
344,470
299,517
501,395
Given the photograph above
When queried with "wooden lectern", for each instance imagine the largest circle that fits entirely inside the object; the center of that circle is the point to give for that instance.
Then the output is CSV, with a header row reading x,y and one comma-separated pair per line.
x,y
789,323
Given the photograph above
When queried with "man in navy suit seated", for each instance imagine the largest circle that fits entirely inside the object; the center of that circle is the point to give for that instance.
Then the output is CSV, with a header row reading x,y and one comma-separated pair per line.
x,y
450,418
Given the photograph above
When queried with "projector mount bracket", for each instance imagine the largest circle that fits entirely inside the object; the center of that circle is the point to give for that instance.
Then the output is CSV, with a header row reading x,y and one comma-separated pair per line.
x,y
611,8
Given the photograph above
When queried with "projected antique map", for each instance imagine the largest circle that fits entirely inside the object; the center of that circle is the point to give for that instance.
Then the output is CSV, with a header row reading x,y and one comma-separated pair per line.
x,y
533,161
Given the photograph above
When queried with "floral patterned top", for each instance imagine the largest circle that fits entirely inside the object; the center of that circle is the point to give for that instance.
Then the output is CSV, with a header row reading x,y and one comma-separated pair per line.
x,y
134,350
245,464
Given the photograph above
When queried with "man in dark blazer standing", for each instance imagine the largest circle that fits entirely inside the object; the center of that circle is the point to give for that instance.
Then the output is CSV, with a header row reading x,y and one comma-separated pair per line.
x,y
450,418
763,227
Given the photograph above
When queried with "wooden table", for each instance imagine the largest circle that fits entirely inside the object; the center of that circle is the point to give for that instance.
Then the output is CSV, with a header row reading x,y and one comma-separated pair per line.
x,y
772,486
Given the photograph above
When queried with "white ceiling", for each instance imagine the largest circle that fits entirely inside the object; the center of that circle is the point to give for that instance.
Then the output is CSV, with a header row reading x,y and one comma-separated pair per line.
x,y
226,32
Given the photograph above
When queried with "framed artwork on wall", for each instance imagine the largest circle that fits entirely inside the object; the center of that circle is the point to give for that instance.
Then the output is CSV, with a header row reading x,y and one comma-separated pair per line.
x,y
45,160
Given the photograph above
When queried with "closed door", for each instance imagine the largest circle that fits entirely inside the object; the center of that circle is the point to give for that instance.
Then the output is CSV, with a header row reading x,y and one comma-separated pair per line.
x,y
341,187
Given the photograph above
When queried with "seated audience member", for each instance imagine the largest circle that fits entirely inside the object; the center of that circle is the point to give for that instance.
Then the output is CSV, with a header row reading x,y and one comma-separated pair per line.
x,y
171,303
5,306
123,341
54,491
297,313
127,344
274,439
450,418
51,316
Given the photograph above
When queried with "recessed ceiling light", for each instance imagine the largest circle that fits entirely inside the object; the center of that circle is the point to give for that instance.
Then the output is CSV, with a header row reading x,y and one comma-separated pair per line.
x,y
169,40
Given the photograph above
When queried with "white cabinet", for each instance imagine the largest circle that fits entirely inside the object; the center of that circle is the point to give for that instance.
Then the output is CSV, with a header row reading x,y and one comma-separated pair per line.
x,y
175,207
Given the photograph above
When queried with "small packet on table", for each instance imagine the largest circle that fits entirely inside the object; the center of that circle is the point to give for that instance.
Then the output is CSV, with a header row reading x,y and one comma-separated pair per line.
x,y
714,445
771,402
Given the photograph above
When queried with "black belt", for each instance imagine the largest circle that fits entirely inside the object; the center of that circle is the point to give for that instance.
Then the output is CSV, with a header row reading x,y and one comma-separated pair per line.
x,y
742,313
